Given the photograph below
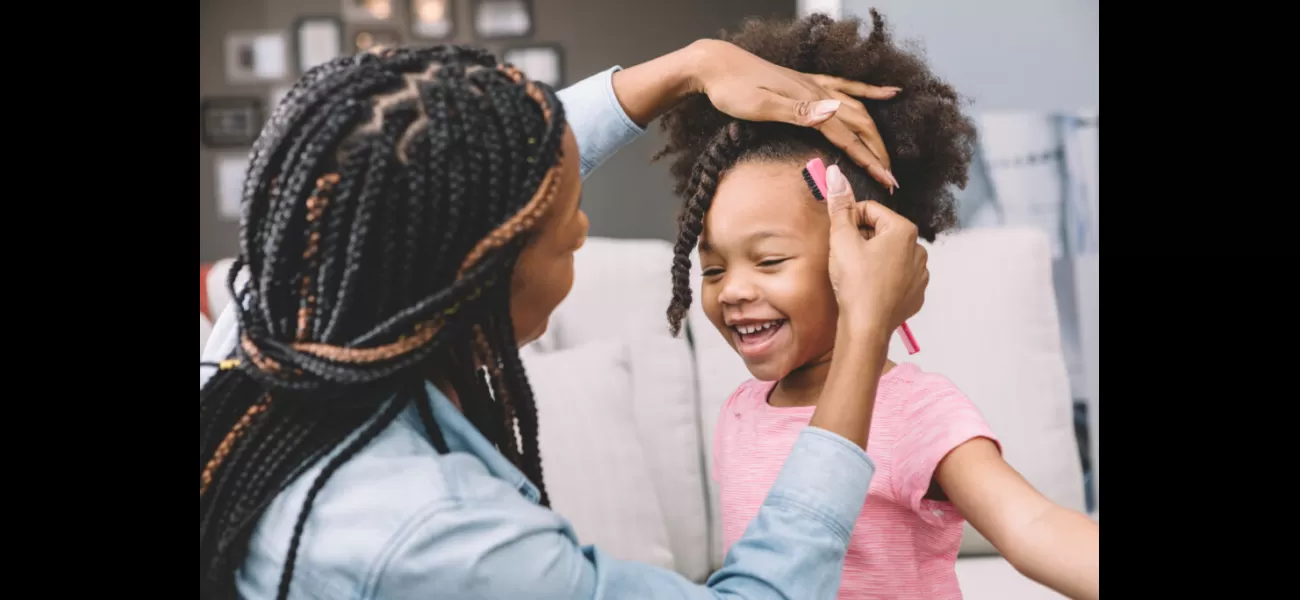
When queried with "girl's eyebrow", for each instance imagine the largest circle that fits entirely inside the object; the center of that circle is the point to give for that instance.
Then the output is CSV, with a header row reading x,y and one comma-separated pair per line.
x,y
763,234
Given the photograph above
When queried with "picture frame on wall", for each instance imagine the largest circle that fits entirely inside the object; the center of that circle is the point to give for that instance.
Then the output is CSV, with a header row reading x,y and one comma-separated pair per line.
x,y
540,62
229,171
502,19
366,38
254,57
433,19
230,122
317,40
367,11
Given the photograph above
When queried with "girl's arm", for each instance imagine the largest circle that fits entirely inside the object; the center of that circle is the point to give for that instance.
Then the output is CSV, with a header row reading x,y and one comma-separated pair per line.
x,y
1048,543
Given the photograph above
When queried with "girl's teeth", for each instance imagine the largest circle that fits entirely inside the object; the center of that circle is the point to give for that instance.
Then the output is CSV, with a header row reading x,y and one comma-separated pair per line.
x,y
748,329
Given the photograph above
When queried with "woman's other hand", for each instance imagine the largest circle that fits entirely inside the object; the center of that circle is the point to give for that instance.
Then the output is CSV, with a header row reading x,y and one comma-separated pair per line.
x,y
747,87
877,268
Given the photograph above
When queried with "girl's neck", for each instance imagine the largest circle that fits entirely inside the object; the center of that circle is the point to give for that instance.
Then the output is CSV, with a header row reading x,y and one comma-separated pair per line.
x,y
803,386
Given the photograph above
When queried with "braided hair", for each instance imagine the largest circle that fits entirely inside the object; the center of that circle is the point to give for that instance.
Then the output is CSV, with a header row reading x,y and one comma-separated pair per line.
x,y
386,204
930,141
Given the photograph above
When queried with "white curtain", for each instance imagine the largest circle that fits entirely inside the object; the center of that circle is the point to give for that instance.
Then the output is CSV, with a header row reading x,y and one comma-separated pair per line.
x,y
1040,169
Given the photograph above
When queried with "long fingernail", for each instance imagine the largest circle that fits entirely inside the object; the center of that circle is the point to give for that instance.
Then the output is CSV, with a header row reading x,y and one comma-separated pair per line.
x,y
893,179
882,175
836,184
893,91
824,109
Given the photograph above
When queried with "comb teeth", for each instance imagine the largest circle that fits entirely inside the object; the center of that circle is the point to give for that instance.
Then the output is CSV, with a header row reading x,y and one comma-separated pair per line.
x,y
814,174
812,185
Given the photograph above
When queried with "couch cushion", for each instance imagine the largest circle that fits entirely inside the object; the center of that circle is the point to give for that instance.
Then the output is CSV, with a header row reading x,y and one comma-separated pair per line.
x,y
993,578
990,325
664,401
620,291
620,295
718,372
205,330
592,458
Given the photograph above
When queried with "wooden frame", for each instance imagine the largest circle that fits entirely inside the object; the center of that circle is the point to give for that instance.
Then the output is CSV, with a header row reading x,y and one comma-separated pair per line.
x,y
230,121
244,50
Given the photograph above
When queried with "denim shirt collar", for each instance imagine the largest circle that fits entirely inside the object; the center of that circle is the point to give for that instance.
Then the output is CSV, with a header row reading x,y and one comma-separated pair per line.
x,y
461,436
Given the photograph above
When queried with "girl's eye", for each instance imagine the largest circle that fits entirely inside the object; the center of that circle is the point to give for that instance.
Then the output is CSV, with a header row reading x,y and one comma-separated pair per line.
x,y
772,262
712,272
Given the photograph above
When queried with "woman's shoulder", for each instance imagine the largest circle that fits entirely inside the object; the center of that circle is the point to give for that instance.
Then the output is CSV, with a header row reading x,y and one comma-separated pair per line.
x,y
361,512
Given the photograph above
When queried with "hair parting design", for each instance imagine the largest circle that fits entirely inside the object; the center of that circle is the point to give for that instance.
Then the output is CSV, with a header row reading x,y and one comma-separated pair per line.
x,y
930,141
371,172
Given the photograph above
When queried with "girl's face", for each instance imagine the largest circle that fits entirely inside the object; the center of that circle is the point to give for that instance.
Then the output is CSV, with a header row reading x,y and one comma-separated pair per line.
x,y
764,250
544,273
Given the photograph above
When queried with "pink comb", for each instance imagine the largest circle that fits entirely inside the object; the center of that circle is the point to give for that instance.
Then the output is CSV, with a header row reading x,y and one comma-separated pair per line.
x,y
814,174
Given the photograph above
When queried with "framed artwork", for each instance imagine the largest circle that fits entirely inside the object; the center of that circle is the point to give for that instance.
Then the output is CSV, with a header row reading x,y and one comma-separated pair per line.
x,y
317,40
365,39
540,62
367,11
256,57
228,180
502,19
230,122
433,19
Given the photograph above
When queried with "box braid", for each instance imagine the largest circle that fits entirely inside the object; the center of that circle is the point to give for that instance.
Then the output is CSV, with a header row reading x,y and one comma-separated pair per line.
x,y
930,141
385,207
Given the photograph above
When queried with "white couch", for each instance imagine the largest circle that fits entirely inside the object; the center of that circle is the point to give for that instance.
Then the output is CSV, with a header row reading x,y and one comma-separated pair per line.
x,y
627,412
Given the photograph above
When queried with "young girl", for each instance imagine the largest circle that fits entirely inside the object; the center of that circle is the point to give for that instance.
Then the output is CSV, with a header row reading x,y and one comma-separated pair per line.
x,y
763,250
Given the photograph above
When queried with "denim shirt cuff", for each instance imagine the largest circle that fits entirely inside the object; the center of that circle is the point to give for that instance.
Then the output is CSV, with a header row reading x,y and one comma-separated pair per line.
x,y
827,476
599,122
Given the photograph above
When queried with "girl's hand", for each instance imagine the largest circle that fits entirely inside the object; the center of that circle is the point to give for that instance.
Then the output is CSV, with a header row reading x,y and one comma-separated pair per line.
x,y
747,87
877,268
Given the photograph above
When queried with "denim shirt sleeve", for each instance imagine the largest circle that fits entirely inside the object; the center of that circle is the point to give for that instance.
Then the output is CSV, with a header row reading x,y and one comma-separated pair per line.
x,y
598,121
508,547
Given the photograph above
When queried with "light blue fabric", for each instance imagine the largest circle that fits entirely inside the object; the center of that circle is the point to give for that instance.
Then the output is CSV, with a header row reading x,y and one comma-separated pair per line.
x,y
401,521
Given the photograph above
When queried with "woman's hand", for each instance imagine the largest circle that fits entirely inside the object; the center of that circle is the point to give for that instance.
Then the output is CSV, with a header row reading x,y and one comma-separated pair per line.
x,y
879,275
877,268
747,87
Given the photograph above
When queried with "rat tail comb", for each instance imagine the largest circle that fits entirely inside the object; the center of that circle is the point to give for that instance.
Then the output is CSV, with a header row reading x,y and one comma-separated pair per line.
x,y
814,174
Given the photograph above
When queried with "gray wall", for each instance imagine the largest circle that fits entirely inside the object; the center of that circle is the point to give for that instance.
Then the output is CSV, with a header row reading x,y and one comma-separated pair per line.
x,y
1005,54
628,197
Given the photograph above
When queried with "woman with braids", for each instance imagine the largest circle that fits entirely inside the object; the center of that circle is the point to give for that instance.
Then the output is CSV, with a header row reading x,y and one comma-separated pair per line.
x,y
763,247
409,220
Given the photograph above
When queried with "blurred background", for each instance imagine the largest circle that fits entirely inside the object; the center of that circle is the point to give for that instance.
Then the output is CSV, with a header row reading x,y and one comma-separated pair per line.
x,y
1030,67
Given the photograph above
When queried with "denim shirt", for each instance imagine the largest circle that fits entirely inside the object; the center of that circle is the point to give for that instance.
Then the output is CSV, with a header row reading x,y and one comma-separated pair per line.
x,y
399,520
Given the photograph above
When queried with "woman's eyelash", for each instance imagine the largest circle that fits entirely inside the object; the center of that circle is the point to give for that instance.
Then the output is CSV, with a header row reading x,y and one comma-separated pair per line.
x,y
772,262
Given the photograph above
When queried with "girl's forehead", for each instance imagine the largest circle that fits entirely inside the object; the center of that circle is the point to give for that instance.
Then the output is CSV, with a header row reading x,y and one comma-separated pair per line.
x,y
762,198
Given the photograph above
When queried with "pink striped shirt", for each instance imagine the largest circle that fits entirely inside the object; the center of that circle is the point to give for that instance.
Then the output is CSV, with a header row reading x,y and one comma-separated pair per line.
x,y
904,546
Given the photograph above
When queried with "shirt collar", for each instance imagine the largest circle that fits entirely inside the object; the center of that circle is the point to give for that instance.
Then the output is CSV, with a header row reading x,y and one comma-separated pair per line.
x,y
462,436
